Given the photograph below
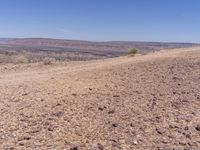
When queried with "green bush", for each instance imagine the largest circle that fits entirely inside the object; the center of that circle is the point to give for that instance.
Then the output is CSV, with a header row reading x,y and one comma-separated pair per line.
x,y
132,51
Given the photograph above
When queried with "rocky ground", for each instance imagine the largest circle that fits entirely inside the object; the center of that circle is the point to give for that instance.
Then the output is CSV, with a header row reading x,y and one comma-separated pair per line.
x,y
128,103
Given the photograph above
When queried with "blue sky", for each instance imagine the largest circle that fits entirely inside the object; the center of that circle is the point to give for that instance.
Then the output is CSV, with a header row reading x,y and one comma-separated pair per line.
x,y
102,20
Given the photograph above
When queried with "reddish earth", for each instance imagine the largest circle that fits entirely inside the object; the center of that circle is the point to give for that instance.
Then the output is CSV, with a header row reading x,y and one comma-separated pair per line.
x,y
128,103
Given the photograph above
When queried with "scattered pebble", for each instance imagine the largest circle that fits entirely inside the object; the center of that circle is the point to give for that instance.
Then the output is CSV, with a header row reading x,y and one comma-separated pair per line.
x,y
24,138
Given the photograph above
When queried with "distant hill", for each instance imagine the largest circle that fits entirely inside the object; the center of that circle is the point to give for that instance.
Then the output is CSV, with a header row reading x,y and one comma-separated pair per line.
x,y
75,45
68,49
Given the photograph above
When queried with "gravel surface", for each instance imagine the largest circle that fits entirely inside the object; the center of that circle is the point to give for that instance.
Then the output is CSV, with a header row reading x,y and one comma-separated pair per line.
x,y
128,103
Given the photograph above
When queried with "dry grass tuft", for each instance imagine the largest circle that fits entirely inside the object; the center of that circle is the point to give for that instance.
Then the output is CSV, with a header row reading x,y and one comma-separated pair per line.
x,y
48,61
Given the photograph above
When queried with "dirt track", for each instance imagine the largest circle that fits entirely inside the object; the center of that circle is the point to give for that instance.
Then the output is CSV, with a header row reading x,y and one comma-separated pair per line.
x,y
130,103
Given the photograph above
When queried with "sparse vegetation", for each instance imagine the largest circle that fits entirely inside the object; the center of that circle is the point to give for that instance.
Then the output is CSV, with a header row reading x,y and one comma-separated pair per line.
x,y
132,51
15,59
45,57
48,61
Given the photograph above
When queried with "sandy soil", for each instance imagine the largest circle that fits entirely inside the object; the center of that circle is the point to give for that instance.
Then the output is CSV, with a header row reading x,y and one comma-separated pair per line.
x,y
127,103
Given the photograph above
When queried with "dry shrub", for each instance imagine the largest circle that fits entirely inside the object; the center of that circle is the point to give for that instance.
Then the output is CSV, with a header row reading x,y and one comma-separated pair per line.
x,y
16,59
48,61
19,59
132,51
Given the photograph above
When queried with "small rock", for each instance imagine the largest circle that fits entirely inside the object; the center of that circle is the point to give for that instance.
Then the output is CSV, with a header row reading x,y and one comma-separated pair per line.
x,y
188,136
122,141
24,138
21,144
58,104
173,126
97,146
186,148
111,112
100,108
50,128
159,131
24,94
198,140
183,143
135,142
186,128
35,130
198,127
74,148
58,114
116,96
74,94
115,125
165,141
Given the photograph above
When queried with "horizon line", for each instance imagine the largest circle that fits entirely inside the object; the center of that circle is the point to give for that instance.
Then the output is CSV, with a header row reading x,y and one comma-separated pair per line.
x,y
65,39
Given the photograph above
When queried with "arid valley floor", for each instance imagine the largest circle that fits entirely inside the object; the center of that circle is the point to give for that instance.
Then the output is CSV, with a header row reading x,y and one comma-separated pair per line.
x,y
142,102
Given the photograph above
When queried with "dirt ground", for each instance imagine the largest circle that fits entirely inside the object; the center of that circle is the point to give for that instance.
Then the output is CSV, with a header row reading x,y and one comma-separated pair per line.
x,y
145,102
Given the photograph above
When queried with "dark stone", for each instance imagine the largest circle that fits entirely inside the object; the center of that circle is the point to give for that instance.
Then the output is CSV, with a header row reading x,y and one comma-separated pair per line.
x,y
74,148
198,127
111,112
24,94
188,136
116,96
21,144
50,128
74,94
186,128
100,108
159,131
115,125
100,147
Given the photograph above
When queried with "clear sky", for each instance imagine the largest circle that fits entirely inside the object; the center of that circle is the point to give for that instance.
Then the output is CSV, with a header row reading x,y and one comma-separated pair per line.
x,y
102,20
